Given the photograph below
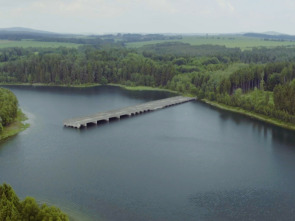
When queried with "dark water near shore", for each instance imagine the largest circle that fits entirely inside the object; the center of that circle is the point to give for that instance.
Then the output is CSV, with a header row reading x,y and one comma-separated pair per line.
x,y
187,162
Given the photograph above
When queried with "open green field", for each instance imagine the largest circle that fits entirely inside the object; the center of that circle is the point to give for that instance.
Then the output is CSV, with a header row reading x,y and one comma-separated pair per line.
x,y
245,43
31,43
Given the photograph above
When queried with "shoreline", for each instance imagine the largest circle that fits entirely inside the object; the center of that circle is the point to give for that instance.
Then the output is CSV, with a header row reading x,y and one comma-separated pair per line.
x,y
50,85
142,88
260,117
130,88
257,116
15,127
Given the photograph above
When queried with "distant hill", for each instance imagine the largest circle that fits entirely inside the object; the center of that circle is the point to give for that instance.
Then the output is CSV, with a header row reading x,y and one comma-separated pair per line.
x,y
273,33
19,33
271,36
21,29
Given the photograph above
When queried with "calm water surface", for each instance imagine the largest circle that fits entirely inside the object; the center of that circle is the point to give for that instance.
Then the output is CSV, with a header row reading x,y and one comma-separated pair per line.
x,y
187,162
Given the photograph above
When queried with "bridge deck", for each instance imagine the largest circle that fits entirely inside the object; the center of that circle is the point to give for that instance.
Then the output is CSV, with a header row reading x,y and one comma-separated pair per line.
x,y
125,112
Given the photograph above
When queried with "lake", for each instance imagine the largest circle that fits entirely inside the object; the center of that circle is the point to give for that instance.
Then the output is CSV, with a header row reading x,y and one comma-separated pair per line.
x,y
186,162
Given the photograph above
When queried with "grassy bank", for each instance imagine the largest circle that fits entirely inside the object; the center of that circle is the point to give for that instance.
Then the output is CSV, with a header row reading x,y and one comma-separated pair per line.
x,y
132,88
252,115
143,88
14,128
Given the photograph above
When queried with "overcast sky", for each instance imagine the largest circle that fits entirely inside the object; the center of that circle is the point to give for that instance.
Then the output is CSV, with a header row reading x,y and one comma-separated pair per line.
x,y
150,16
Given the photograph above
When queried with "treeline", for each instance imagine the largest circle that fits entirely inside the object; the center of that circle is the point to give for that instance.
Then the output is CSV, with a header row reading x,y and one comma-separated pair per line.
x,y
265,89
91,65
251,79
8,107
284,97
12,209
271,74
269,37
11,54
118,39
268,55
224,55
145,37
184,49
19,35
97,41
88,65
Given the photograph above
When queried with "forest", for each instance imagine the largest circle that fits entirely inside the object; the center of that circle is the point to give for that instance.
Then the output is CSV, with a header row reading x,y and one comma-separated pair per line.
x,y
8,107
260,80
11,208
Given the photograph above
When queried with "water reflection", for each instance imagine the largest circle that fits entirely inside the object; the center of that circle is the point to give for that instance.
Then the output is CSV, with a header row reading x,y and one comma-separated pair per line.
x,y
277,134
94,91
284,136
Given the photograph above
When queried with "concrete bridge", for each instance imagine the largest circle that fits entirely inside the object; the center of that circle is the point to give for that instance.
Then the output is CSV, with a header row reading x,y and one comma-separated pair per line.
x,y
125,112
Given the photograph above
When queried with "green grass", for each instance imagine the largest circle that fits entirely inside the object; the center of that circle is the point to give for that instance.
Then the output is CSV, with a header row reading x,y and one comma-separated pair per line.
x,y
37,44
132,88
142,88
245,43
15,127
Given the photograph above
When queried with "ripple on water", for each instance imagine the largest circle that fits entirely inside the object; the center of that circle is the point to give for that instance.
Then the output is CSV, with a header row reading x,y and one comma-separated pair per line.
x,y
247,204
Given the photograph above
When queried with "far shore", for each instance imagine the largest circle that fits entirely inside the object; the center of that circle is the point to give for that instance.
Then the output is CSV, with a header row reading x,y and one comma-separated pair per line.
x,y
142,88
54,85
131,88
146,88
251,114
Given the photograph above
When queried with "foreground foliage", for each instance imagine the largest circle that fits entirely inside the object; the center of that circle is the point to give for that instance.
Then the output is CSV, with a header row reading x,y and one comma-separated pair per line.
x,y
15,127
12,209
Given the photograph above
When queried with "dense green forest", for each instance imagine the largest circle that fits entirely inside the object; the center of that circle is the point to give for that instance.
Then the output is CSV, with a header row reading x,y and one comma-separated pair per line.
x,y
11,208
8,107
260,80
